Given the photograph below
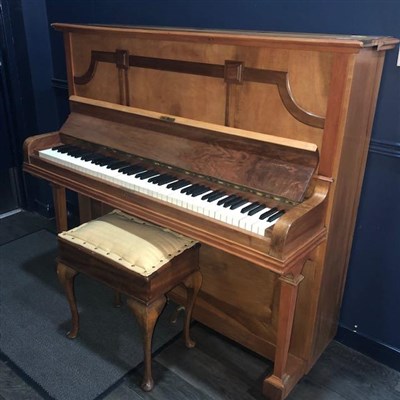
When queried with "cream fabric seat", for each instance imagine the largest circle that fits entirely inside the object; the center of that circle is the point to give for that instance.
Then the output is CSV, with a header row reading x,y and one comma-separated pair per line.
x,y
135,244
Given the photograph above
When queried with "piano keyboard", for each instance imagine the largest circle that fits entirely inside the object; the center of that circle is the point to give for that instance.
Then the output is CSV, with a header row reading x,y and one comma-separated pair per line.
x,y
216,204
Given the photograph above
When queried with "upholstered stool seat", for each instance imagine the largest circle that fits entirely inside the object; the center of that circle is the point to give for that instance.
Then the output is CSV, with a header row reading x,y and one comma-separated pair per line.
x,y
136,258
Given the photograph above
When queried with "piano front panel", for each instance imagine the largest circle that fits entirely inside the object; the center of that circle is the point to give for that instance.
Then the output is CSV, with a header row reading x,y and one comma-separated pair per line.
x,y
240,300
237,300
251,106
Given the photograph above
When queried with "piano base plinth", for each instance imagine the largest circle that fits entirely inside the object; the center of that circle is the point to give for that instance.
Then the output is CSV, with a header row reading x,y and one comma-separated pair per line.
x,y
276,388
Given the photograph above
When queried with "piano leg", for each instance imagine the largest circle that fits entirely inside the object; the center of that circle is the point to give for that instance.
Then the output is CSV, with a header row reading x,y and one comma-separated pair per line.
x,y
60,207
85,209
287,368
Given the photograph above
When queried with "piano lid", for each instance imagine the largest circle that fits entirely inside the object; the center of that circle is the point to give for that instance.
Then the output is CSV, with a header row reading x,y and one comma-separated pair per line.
x,y
269,165
250,37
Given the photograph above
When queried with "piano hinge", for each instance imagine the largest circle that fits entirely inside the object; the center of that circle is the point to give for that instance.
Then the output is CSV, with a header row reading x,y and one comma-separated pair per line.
x,y
166,118
324,178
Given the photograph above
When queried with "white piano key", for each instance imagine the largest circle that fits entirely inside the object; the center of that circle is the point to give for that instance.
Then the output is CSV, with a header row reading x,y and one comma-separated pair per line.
x,y
176,197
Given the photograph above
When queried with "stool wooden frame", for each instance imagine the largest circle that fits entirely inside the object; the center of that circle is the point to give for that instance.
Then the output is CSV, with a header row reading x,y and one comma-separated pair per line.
x,y
146,295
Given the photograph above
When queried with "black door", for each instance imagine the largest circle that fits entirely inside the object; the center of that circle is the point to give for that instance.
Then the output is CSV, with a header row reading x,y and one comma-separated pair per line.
x,y
9,199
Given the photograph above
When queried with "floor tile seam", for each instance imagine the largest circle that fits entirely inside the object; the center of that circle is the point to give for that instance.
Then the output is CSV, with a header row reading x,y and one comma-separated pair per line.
x,y
27,234
25,377
327,388
132,371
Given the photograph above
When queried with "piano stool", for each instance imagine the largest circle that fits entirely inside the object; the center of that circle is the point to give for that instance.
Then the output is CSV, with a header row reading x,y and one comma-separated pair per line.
x,y
136,258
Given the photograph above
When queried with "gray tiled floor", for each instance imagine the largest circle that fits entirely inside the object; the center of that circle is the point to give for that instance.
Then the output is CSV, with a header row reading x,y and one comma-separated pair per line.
x,y
218,369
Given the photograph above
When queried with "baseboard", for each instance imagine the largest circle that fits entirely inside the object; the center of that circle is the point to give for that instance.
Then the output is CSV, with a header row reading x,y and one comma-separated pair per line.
x,y
378,351
385,147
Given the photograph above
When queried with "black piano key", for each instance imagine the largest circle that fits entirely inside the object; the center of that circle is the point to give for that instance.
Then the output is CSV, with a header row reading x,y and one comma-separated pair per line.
x,y
76,152
100,161
268,213
105,161
177,185
188,190
160,178
128,170
228,203
206,196
239,200
216,196
165,181
118,164
146,174
124,167
237,204
156,178
111,161
256,210
194,190
59,147
200,190
223,201
91,156
138,175
74,149
250,207
276,216
135,169
94,158
86,157
64,148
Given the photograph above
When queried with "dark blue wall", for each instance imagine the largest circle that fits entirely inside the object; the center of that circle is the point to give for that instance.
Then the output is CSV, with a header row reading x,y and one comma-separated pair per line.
x,y
371,299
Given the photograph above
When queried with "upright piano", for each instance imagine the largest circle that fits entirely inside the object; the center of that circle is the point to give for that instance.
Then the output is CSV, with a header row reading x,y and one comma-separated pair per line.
x,y
253,143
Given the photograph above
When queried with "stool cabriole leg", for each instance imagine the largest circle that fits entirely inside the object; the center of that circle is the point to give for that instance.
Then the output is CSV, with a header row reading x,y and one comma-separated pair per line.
x,y
147,316
66,276
192,285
